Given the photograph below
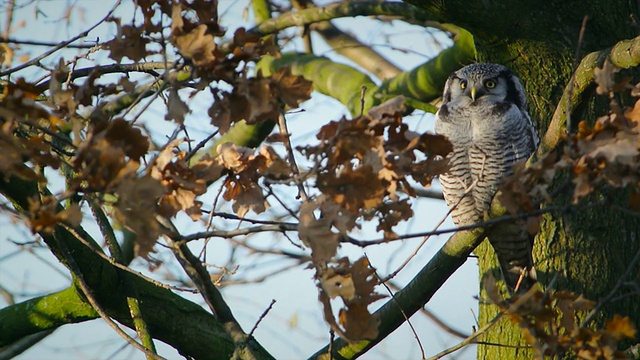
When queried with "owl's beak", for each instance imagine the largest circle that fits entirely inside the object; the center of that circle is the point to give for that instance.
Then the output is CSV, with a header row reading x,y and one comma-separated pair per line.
x,y
473,90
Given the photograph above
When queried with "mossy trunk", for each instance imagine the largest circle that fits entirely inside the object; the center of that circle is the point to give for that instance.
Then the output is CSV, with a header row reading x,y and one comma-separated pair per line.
x,y
588,250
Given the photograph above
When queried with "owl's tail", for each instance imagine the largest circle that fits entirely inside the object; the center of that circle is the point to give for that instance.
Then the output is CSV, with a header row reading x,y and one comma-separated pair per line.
x,y
519,279
513,246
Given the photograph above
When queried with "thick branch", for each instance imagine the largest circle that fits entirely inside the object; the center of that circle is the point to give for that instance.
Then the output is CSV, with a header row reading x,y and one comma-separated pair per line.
x,y
426,81
625,54
344,83
354,50
43,313
345,9
201,335
415,295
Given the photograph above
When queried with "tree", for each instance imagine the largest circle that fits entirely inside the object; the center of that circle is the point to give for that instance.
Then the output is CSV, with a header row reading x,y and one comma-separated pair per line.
x,y
361,170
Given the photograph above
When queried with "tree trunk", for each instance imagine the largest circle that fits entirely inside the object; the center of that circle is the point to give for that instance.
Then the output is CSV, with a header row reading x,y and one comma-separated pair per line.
x,y
589,249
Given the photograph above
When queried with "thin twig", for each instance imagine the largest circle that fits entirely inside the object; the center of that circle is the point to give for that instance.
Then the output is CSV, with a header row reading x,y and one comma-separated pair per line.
x,y
426,238
433,317
482,224
61,45
429,193
230,216
237,232
123,267
576,61
262,316
259,279
148,67
9,40
270,192
200,145
469,340
282,126
363,92
406,318
139,323
209,292
301,257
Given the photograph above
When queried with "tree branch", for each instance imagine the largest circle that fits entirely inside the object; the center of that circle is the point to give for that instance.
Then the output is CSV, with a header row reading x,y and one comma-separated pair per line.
x,y
625,54
417,293
61,45
337,10
42,43
202,336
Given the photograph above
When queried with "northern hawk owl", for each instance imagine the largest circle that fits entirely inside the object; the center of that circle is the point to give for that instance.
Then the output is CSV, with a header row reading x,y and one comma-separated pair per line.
x,y
484,115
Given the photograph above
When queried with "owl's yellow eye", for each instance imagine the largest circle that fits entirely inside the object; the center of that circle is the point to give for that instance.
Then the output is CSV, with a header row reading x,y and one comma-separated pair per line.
x,y
463,85
490,84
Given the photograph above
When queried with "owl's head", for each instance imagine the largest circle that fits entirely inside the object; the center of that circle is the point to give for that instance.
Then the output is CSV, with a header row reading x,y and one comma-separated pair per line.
x,y
484,82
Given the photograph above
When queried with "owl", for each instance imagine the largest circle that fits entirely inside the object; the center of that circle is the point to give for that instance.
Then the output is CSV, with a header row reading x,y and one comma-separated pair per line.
x,y
484,115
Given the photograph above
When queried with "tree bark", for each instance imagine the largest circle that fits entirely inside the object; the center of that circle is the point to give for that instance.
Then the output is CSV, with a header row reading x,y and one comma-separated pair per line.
x,y
589,249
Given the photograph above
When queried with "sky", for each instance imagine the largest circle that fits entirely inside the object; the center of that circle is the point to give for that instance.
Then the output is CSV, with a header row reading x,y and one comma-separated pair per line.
x,y
294,328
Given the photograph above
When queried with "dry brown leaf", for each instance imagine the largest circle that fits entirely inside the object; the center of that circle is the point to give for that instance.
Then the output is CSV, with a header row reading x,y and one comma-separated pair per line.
x,y
176,108
317,234
633,114
356,319
136,209
355,190
621,327
130,41
110,154
359,323
62,96
45,214
247,196
253,101
184,183
338,285
387,108
605,78
276,167
196,45
220,113
291,89
233,157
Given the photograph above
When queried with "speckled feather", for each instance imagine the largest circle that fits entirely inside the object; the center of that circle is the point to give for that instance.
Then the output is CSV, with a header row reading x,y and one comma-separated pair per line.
x,y
490,134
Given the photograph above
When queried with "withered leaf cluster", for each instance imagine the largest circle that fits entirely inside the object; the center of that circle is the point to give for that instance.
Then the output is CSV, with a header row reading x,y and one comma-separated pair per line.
x,y
550,322
363,167
353,283
245,169
365,164
259,99
19,113
605,154
46,213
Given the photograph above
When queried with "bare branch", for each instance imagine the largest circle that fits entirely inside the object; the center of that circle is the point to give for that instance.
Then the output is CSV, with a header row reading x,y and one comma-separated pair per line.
x,y
61,45
8,40
231,233
429,193
469,340
262,316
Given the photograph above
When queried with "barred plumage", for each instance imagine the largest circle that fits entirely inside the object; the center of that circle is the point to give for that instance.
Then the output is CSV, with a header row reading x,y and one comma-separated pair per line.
x,y
484,115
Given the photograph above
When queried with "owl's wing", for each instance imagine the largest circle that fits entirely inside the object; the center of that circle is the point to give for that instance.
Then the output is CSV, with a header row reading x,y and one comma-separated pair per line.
x,y
458,191
457,181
